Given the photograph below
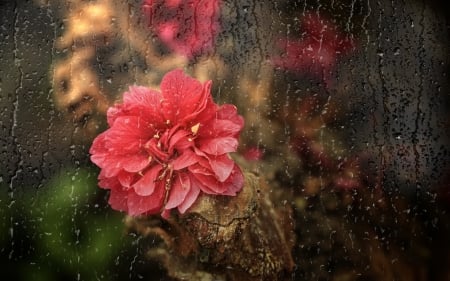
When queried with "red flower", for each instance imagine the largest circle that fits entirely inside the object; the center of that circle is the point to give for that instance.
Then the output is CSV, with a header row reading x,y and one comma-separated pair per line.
x,y
163,148
316,53
187,27
253,154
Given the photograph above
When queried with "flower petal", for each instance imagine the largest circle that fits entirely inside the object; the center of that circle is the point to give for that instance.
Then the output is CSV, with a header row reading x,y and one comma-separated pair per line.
x,y
98,147
234,183
110,164
218,146
138,205
182,96
138,101
229,112
200,169
180,141
138,95
135,163
125,178
146,185
195,183
113,113
153,147
109,183
118,199
187,158
128,134
209,184
191,196
180,188
220,128
206,108
222,166
144,102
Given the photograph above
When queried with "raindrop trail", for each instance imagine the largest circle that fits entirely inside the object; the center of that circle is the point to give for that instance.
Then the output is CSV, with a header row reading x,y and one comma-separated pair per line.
x,y
349,20
383,141
415,137
363,25
12,133
50,91
135,257
15,101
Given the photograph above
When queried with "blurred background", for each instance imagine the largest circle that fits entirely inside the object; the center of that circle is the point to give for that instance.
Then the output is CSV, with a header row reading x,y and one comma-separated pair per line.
x,y
346,106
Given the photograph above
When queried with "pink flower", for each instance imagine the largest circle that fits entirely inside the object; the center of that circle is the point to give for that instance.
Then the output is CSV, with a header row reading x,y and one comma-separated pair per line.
x,y
253,154
187,27
164,148
317,52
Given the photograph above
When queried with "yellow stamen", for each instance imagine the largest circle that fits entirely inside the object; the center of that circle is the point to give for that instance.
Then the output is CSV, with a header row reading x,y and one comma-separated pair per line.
x,y
194,129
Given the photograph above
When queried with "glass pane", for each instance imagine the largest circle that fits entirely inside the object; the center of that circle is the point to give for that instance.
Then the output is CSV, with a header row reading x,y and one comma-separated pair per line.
x,y
224,140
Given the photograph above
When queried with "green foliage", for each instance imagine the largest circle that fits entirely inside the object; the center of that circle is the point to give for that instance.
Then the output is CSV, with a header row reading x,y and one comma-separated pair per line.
x,y
73,233
4,214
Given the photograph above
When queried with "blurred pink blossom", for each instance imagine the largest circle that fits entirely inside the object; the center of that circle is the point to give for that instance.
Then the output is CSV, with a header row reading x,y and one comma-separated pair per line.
x,y
316,53
253,154
187,27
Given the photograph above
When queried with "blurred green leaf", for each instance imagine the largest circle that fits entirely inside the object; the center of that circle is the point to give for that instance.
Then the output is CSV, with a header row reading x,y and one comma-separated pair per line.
x,y
5,214
75,235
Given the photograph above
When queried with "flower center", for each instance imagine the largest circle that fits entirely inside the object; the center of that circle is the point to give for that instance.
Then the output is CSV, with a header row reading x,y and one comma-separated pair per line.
x,y
165,147
166,176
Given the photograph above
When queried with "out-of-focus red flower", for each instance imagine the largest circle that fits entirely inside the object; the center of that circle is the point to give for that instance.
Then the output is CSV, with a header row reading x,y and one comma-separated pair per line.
x,y
317,51
187,27
348,175
253,154
163,148
313,153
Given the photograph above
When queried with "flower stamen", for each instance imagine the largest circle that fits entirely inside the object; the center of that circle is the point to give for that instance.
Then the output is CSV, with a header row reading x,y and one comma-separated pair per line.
x,y
194,129
168,183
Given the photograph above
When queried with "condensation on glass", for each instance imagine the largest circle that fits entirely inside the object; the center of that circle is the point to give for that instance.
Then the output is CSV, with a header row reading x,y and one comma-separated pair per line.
x,y
345,105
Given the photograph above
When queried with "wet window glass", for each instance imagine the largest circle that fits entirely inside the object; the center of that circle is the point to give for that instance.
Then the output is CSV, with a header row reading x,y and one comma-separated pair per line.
x,y
224,140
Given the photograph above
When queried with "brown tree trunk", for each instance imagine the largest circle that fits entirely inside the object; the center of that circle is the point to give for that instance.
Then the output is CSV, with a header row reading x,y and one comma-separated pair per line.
x,y
247,237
